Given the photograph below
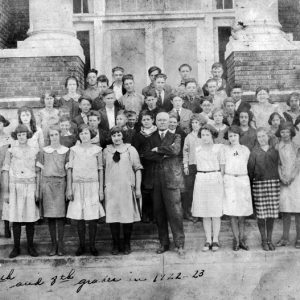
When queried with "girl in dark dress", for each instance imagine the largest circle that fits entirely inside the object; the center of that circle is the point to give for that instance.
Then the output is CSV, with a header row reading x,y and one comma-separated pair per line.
x,y
264,176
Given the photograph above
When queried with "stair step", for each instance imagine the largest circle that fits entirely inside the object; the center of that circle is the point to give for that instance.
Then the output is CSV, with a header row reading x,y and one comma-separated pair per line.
x,y
144,237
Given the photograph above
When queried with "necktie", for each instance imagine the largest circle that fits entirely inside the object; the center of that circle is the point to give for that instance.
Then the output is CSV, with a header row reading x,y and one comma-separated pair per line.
x,y
159,99
162,135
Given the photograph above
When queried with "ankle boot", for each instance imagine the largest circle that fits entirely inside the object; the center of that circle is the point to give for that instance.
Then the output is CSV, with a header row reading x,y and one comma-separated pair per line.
x,y
17,236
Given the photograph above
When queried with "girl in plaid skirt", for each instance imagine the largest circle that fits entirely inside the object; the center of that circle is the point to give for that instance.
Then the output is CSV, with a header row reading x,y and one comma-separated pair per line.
x,y
263,173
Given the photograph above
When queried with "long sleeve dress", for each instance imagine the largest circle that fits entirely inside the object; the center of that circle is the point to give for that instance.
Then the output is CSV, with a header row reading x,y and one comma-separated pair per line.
x,y
263,172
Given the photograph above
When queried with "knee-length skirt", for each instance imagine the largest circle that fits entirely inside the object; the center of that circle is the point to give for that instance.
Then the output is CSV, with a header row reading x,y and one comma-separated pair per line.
x,y
208,195
85,204
53,193
266,198
22,206
290,196
237,201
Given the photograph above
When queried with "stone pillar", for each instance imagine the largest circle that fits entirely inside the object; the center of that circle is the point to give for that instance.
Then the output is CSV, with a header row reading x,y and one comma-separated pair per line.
x,y
259,52
43,60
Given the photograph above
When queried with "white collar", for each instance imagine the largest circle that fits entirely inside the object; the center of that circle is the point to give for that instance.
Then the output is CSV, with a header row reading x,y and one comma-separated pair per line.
x,y
172,131
61,150
163,131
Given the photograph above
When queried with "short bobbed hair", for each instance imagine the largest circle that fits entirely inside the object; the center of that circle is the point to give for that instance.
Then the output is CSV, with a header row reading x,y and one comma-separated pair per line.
x,y
20,129
284,126
211,129
234,129
82,127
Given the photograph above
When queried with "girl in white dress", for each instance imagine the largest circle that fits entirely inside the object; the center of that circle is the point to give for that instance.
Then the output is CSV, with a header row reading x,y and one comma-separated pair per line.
x,y
237,202
85,187
21,180
208,189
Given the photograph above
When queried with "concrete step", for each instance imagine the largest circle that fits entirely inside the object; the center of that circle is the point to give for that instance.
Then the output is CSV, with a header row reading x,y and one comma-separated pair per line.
x,y
144,237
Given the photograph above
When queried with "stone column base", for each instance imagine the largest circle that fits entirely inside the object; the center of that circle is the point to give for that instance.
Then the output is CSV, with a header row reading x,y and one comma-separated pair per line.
x,y
31,76
277,70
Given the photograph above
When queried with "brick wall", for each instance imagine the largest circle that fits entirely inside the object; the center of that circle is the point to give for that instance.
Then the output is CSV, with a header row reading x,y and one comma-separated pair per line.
x,y
278,70
289,17
5,21
30,76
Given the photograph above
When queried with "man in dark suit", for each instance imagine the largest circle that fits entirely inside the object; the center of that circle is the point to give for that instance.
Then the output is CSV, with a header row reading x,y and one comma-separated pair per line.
x,y
109,113
163,94
162,150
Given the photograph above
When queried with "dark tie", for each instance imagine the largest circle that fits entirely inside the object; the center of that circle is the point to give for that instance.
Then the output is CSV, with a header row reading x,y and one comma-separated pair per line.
x,y
162,135
159,99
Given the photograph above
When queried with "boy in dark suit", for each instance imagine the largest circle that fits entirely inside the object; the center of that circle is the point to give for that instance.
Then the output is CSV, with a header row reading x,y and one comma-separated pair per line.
x,y
109,113
85,104
162,149
163,96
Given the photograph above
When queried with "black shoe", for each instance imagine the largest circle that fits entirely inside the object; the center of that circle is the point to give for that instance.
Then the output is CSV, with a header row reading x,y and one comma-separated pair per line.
x,y
32,252
162,249
265,245
115,250
243,245
127,249
60,250
14,253
235,245
53,250
80,251
271,246
94,251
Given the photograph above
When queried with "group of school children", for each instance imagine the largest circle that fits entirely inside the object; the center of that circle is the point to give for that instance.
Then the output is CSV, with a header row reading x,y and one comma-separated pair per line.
x,y
165,155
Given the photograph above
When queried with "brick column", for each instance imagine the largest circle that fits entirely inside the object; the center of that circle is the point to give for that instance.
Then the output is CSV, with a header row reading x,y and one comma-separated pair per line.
x,y
43,60
259,52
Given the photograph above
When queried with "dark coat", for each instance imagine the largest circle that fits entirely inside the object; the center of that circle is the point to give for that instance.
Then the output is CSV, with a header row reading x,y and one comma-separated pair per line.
x,y
78,120
104,125
167,156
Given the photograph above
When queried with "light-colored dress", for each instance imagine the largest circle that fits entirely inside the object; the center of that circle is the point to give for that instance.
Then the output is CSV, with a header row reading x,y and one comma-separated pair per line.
x,y
45,118
120,202
85,163
20,162
208,190
5,141
237,201
289,194
53,183
37,140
